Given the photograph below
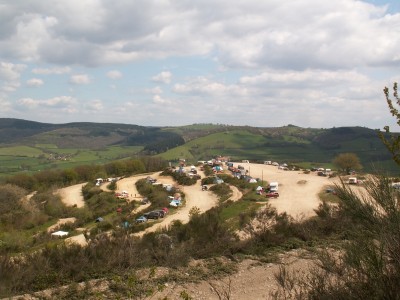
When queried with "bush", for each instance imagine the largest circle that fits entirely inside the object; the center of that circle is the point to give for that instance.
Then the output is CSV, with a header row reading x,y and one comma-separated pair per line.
x,y
180,178
207,180
222,191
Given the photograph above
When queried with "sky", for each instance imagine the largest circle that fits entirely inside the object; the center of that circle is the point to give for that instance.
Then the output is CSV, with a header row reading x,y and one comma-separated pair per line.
x,y
264,63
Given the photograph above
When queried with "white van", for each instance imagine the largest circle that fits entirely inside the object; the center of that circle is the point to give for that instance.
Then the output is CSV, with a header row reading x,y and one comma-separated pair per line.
x,y
353,180
273,186
245,161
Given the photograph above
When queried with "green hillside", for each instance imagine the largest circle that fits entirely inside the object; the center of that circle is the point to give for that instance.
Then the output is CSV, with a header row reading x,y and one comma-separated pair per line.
x,y
32,146
290,144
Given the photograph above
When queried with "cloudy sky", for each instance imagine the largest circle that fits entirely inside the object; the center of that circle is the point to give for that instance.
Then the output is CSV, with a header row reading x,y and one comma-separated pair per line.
x,y
311,63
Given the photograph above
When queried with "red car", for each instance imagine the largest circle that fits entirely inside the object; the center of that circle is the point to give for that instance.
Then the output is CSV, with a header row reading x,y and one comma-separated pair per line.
x,y
272,195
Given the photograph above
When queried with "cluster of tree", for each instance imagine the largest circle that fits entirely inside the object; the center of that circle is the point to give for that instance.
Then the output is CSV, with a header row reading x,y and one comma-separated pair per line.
x,y
156,194
180,177
166,141
55,177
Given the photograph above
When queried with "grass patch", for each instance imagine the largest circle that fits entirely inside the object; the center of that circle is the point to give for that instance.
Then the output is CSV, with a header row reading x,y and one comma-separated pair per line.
x,y
328,197
232,211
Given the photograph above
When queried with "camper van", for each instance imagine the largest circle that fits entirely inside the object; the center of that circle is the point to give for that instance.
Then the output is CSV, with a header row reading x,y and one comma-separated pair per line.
x,y
273,186
353,180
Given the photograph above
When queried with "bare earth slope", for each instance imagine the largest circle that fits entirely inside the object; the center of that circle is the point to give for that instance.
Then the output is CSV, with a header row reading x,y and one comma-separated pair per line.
x,y
72,195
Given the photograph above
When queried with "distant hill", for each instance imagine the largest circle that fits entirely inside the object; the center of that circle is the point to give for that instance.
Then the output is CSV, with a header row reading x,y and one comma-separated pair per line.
x,y
202,141
83,135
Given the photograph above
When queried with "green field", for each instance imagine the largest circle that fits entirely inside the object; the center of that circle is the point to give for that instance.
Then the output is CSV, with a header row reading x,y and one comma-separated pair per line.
x,y
45,156
23,151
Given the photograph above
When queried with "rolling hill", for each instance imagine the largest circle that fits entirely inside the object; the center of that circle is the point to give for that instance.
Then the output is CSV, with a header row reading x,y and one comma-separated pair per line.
x,y
27,145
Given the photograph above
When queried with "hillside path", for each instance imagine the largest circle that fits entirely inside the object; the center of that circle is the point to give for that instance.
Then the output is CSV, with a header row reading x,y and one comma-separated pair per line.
x,y
195,197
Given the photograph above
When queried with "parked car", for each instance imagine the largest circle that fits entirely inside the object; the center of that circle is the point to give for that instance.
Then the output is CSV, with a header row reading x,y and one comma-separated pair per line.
x,y
272,195
141,219
153,215
331,191
161,212
175,203
145,201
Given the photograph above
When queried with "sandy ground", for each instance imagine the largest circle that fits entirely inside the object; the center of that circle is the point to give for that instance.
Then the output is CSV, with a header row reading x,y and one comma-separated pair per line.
x,y
128,184
236,194
61,222
72,195
195,197
298,192
254,280
77,239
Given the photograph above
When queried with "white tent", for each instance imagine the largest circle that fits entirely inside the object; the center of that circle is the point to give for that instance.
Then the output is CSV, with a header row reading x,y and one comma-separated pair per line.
x,y
59,233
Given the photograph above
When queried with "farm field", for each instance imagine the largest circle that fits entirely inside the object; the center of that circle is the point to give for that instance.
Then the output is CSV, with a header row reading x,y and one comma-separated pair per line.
x,y
46,156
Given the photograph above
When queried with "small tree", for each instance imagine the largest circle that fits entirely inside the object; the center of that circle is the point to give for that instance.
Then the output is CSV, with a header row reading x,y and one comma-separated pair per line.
x,y
347,162
393,142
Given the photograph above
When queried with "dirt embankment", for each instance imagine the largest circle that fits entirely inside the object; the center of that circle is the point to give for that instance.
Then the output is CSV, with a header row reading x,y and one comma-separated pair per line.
x,y
72,195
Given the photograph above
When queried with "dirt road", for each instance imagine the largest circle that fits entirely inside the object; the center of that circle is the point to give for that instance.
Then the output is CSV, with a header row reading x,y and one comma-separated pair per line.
x,y
128,184
236,194
195,197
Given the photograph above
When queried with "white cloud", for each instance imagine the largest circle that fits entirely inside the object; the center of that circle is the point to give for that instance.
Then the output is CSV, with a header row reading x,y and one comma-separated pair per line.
x,y
48,71
95,105
80,79
204,86
250,34
114,74
160,100
35,82
155,90
5,106
264,63
163,77
56,102
10,75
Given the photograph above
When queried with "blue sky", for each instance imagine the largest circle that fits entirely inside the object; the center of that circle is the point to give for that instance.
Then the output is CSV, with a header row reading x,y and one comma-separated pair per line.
x,y
311,63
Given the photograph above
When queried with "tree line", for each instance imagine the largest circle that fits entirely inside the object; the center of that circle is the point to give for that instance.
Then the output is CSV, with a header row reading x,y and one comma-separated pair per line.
x,y
42,180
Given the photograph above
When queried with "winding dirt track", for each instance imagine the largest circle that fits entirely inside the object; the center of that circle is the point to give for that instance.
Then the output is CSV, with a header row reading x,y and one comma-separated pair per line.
x,y
195,197
298,193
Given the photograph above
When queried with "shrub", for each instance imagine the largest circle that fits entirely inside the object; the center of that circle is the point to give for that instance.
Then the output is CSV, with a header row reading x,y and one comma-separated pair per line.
x,y
222,191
